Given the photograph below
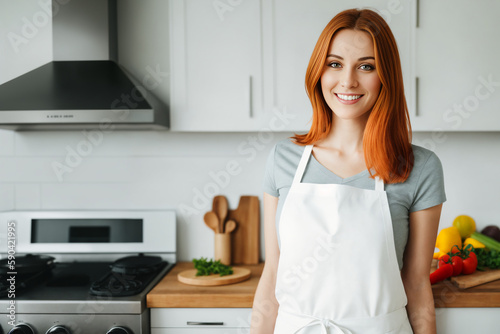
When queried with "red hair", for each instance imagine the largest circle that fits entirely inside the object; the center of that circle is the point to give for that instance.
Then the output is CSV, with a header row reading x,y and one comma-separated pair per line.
x,y
387,136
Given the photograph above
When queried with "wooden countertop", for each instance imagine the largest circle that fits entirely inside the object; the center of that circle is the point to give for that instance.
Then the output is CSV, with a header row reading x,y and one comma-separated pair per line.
x,y
169,292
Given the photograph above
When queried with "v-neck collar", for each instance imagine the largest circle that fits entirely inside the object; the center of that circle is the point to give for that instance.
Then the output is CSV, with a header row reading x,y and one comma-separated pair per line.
x,y
329,173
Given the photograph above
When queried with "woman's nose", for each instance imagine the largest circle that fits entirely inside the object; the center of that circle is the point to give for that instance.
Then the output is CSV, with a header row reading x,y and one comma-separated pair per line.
x,y
348,79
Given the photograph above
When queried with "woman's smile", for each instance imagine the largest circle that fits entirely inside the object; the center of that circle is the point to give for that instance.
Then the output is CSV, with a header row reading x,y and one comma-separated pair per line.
x,y
348,98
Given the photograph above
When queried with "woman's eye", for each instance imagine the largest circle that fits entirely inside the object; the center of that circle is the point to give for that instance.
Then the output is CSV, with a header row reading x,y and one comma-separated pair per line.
x,y
335,65
367,67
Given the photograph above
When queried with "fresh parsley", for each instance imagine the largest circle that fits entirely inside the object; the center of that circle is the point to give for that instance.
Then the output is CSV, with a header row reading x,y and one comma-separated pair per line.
x,y
487,258
207,267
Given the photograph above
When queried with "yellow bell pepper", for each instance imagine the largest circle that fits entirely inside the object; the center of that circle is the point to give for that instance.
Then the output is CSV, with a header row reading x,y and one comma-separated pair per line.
x,y
446,239
475,243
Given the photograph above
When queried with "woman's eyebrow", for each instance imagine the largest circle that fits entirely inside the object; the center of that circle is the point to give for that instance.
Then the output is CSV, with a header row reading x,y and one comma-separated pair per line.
x,y
339,57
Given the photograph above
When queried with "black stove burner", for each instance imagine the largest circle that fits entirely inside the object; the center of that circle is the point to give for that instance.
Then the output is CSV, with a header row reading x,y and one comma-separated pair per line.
x,y
119,284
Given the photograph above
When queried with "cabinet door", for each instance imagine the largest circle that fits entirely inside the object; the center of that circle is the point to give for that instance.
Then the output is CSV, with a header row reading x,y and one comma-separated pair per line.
x,y
215,65
291,29
457,54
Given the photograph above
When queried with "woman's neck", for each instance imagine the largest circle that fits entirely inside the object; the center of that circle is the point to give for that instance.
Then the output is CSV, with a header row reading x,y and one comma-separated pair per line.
x,y
345,136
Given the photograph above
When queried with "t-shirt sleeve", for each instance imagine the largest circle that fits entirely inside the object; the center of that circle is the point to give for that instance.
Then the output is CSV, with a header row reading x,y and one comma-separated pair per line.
x,y
269,183
429,190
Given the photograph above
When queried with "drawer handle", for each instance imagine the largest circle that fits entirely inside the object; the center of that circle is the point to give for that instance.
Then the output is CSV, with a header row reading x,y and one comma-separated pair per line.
x,y
202,323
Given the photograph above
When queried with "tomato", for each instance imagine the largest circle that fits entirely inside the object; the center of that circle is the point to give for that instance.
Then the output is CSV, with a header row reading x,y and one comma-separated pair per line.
x,y
455,261
470,264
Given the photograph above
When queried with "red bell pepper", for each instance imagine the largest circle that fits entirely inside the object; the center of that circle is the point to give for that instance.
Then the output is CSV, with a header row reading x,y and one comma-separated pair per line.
x,y
441,273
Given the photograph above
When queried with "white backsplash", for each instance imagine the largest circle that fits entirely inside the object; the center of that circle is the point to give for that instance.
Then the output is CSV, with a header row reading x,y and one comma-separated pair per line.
x,y
164,170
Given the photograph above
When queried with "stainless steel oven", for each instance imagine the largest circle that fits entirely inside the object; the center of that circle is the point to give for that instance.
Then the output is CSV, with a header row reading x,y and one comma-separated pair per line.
x,y
82,271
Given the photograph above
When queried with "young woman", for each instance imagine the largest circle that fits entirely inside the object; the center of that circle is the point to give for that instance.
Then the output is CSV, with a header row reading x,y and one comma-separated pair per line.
x,y
351,209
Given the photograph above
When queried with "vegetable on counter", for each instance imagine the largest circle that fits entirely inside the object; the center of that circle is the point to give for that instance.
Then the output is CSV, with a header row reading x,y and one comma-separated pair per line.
x,y
490,243
476,244
487,258
207,267
492,231
456,262
441,273
446,239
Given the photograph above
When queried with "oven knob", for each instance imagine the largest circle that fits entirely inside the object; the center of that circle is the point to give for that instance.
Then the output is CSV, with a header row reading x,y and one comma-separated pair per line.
x,y
21,329
118,330
57,330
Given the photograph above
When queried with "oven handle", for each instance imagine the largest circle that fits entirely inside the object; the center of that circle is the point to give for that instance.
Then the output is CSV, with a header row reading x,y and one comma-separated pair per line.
x,y
204,323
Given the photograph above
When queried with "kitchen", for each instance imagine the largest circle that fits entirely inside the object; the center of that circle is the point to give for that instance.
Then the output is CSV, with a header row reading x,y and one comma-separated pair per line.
x,y
182,168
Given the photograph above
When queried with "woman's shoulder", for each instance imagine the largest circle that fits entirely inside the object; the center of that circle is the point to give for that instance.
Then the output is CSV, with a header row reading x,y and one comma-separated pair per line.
x,y
424,158
287,148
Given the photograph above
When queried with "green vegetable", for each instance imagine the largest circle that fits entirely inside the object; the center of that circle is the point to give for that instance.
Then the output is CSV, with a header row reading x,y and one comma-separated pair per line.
x,y
487,258
207,267
490,243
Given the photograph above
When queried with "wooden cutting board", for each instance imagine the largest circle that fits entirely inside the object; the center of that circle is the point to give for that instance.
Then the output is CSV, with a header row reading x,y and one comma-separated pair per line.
x,y
476,278
245,239
189,277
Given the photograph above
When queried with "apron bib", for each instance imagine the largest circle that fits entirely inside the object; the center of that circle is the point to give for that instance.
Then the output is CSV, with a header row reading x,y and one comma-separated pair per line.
x,y
338,271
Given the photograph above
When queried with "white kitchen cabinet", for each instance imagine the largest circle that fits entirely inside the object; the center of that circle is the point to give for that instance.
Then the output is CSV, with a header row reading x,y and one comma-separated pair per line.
x,y
200,320
215,65
457,49
291,29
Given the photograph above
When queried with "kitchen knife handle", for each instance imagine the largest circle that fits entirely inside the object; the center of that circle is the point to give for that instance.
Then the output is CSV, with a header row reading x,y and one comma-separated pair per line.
x,y
204,323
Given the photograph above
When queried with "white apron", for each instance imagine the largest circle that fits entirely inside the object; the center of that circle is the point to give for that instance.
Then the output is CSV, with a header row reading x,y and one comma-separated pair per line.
x,y
338,271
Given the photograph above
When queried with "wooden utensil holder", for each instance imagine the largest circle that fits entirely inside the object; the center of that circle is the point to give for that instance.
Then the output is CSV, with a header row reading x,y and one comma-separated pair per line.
x,y
222,249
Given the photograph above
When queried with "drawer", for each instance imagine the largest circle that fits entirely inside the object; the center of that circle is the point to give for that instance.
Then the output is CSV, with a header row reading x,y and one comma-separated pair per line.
x,y
200,318
200,330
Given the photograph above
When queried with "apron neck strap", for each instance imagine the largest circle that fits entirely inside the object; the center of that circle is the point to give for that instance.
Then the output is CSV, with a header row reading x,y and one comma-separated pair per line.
x,y
302,164
379,184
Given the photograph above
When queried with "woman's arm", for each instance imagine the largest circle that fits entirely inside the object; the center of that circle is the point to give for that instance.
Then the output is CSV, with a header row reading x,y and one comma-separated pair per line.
x,y
416,269
265,306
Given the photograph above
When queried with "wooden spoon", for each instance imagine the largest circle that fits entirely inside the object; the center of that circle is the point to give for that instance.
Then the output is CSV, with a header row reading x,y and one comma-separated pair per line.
x,y
212,221
220,208
230,226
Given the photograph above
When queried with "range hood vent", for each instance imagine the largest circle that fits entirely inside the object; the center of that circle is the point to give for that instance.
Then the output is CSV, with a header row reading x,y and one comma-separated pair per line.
x,y
64,95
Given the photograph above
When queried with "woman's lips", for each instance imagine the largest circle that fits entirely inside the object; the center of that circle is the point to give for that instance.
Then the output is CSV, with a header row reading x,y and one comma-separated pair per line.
x,y
348,98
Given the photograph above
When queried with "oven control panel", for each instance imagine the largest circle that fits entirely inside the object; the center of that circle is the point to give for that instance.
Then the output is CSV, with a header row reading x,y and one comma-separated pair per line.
x,y
37,328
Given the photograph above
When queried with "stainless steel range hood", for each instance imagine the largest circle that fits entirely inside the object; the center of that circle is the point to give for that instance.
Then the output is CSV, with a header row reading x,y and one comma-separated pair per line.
x,y
85,87
76,95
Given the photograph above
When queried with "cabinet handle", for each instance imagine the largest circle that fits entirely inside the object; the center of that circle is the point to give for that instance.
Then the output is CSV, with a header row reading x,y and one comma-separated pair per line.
x,y
418,14
416,96
250,93
203,323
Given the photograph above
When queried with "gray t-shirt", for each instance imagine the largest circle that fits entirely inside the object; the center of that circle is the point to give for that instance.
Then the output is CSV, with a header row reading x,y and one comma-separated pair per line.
x,y
423,189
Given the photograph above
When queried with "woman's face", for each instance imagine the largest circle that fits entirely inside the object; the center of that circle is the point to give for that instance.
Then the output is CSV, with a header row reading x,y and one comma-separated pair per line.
x,y
350,82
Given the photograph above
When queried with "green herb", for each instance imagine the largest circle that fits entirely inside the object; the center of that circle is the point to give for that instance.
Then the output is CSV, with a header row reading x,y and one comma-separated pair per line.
x,y
207,267
487,258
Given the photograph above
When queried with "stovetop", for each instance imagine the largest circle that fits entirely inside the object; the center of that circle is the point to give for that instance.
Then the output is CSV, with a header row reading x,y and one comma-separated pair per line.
x,y
67,288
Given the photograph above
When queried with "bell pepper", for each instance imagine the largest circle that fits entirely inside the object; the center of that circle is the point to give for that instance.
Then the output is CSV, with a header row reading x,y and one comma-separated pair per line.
x,y
475,243
446,239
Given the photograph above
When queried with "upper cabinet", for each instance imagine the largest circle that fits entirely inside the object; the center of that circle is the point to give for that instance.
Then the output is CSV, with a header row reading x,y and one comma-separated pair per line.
x,y
216,82
240,65
291,29
457,48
